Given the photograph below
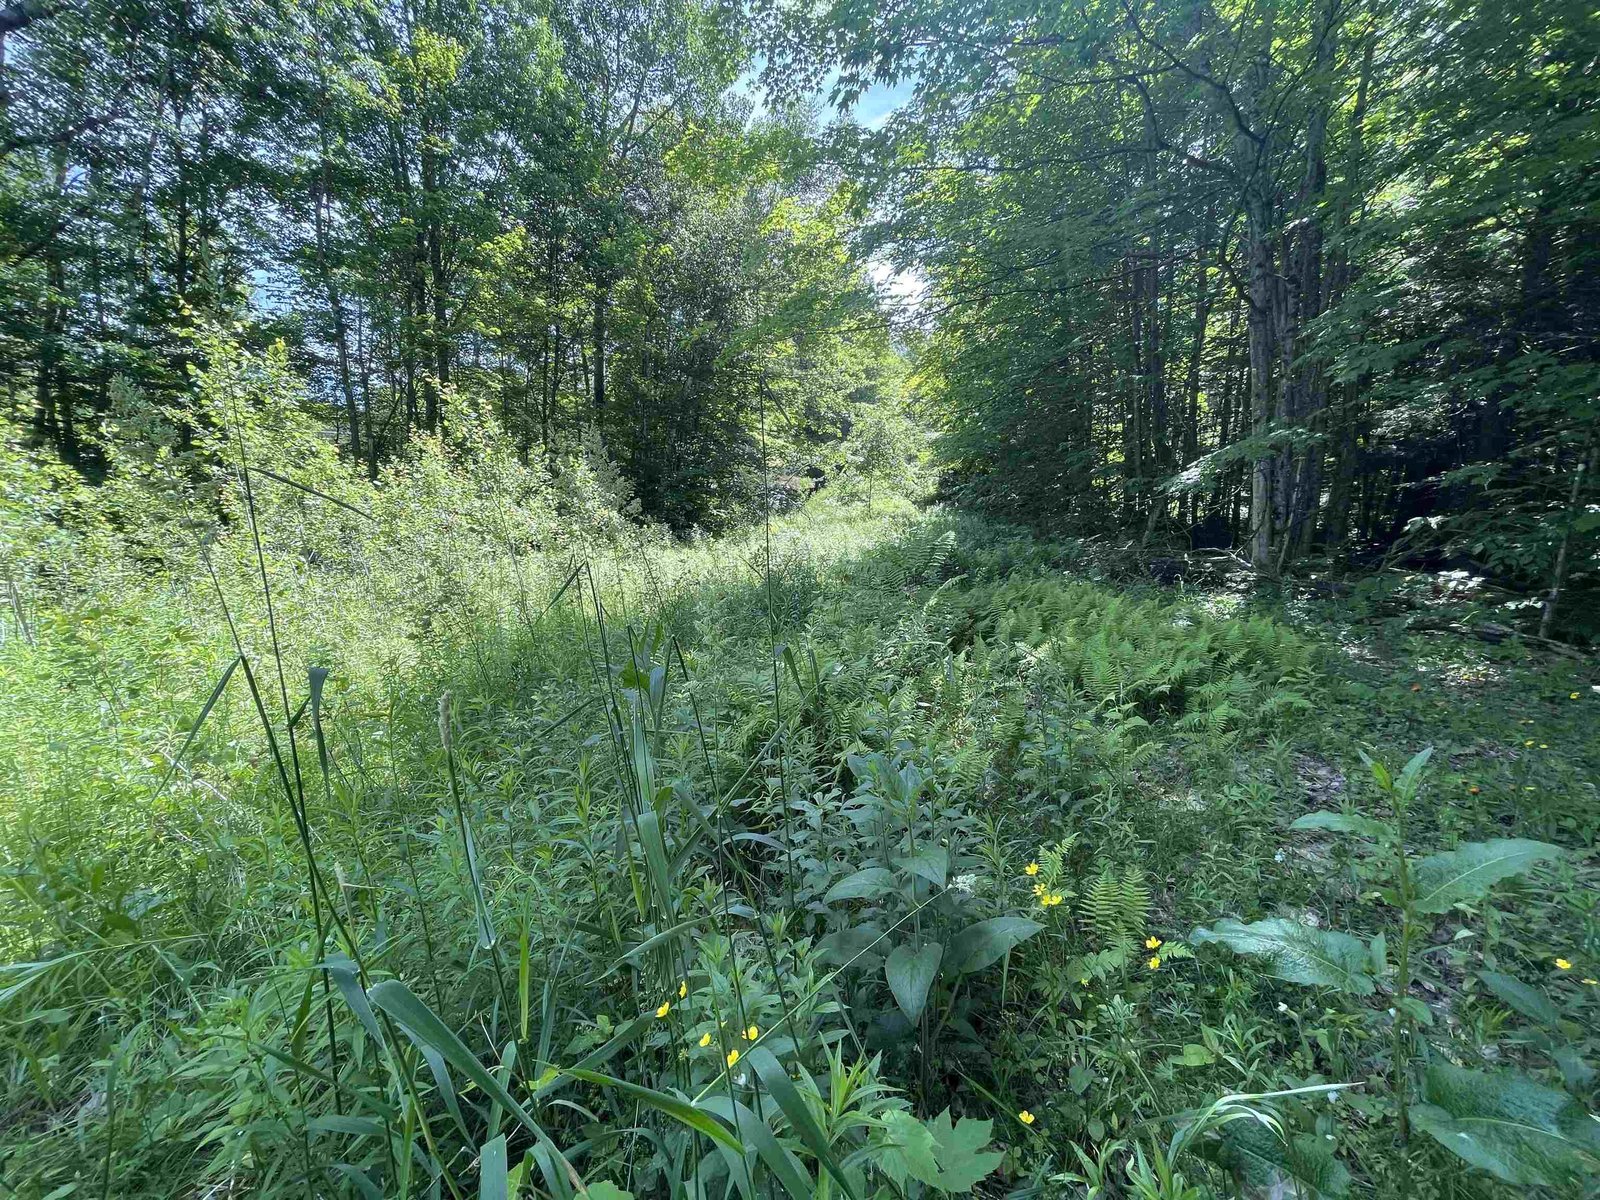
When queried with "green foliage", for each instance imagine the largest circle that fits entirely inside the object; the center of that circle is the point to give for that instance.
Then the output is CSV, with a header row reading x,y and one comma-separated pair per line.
x,y
1298,953
1505,1123
792,810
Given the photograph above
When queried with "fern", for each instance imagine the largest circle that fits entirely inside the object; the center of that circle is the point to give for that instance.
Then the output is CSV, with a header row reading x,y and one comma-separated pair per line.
x,y
1116,904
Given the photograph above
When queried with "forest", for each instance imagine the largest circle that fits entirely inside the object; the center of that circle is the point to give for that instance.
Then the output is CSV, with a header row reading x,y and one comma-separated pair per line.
x,y
800,599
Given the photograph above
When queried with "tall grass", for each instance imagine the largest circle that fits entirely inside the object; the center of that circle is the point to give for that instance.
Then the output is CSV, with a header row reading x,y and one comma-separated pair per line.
x,y
456,837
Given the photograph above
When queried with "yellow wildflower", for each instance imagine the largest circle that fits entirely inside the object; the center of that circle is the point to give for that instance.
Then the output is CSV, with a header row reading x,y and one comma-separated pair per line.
x,y
1544,745
1529,742
666,1006
1574,696
751,1034
683,988
733,1057
1031,869
1563,965
1155,962
705,1040
1152,943
1026,1117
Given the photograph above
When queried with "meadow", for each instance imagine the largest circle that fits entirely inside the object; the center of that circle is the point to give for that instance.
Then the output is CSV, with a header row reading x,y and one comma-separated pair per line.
x,y
456,836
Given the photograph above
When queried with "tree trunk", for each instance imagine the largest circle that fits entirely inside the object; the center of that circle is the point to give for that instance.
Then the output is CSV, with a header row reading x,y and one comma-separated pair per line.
x,y
1558,578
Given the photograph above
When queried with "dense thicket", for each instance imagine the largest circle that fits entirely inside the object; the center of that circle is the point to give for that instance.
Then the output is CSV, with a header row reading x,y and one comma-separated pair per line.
x,y
562,211
1293,274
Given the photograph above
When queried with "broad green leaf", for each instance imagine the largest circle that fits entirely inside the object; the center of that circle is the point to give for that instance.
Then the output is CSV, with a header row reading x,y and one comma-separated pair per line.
x,y
492,1170
906,1148
960,1152
1378,954
1265,1164
981,945
1415,1009
1442,881
866,884
1194,1055
1298,953
1337,822
931,863
1529,1001
910,974
604,1189
847,945
1505,1123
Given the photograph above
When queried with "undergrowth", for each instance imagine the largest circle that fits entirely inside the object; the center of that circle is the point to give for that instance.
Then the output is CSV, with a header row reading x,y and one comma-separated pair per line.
x,y
516,851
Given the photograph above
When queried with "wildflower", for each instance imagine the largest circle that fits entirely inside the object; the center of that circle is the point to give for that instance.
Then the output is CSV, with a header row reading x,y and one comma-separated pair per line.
x,y
1544,745
1050,899
683,988
964,883
1031,869
1155,962
666,1006
1026,1117
1574,696
1529,742
1563,965
1152,943
705,1040
733,1057
751,1034
1038,889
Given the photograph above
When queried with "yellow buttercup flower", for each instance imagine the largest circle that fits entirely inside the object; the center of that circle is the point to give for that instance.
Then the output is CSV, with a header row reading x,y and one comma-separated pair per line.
x,y
1563,965
705,1040
751,1034
1026,1117
1031,869
733,1057
1544,745
683,988
1155,962
1152,943
1574,696
666,1006
1529,742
